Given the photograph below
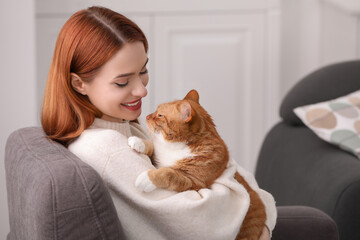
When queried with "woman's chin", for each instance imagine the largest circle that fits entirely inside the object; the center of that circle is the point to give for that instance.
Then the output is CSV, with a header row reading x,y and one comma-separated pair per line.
x,y
134,115
127,116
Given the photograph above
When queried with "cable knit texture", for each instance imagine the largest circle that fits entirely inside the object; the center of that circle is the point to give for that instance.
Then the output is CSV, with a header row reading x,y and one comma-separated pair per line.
x,y
215,213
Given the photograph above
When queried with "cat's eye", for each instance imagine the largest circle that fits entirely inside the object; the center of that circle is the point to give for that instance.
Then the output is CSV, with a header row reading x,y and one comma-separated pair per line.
x,y
159,115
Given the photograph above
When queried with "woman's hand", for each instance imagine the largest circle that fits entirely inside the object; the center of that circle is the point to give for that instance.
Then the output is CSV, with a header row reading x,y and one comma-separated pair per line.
x,y
265,235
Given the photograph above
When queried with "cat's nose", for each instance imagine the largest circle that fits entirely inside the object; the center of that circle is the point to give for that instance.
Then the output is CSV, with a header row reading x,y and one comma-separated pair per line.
x,y
148,117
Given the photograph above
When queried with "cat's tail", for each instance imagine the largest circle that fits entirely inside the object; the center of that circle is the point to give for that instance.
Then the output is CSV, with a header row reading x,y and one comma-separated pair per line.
x,y
255,218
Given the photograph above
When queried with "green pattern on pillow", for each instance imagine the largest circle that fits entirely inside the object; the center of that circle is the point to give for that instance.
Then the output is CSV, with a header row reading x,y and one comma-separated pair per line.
x,y
336,121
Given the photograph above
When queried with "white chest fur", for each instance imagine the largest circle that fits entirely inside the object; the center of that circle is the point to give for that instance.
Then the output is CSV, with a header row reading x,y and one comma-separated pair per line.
x,y
168,153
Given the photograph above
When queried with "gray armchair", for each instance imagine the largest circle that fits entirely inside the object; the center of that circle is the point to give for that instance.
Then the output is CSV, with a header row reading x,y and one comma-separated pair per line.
x,y
54,195
299,168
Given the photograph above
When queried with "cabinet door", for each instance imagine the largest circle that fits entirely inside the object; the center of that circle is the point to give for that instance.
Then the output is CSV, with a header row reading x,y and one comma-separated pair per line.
x,y
223,57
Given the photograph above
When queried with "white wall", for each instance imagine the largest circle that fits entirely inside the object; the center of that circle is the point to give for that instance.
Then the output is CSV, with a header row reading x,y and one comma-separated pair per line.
x,y
299,41
316,33
17,81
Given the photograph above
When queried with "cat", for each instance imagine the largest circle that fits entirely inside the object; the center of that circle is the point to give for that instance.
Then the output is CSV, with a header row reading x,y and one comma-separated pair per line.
x,y
189,155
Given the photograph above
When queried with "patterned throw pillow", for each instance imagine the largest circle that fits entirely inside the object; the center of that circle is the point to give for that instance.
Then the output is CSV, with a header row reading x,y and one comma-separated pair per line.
x,y
336,121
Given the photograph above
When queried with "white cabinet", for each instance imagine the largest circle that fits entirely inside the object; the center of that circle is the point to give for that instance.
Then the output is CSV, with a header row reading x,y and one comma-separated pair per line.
x,y
226,50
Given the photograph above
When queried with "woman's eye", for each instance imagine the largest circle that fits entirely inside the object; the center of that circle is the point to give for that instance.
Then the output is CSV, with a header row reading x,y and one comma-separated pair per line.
x,y
122,84
144,72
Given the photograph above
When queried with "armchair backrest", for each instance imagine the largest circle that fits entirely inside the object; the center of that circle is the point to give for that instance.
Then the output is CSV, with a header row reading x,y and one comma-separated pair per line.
x,y
54,195
324,84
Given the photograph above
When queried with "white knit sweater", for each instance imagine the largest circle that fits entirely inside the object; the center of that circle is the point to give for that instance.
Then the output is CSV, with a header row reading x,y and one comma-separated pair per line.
x,y
215,213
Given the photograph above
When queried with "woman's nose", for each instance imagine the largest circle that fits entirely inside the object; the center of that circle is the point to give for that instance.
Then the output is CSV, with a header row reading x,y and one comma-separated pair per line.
x,y
139,88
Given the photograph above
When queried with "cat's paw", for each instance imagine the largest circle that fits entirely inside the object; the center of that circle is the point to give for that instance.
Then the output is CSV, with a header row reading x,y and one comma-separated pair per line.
x,y
137,144
143,183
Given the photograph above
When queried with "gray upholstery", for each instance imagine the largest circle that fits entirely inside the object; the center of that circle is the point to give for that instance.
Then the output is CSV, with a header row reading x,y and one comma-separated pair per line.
x,y
299,168
304,223
54,195
327,83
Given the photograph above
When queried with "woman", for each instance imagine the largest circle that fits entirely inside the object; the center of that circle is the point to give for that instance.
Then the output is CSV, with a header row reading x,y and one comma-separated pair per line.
x,y
93,97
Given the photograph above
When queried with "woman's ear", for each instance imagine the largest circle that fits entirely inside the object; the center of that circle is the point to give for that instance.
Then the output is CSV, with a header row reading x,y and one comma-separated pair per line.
x,y
77,83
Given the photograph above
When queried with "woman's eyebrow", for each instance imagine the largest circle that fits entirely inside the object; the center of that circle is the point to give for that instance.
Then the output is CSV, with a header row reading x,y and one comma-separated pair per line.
x,y
130,74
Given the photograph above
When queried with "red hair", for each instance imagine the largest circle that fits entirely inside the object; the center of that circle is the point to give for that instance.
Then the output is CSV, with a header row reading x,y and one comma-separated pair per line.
x,y
86,42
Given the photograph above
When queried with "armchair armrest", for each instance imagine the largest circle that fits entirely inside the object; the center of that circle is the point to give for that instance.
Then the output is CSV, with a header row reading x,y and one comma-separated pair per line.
x,y
299,168
300,222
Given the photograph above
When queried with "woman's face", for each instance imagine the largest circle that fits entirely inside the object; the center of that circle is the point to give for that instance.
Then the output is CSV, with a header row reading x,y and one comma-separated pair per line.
x,y
118,88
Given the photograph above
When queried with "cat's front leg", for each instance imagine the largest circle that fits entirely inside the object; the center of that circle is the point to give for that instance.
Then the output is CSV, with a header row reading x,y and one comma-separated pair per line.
x,y
149,180
143,182
167,178
141,145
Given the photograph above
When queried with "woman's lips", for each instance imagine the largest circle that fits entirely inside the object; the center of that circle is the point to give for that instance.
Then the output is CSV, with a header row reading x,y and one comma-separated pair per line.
x,y
132,106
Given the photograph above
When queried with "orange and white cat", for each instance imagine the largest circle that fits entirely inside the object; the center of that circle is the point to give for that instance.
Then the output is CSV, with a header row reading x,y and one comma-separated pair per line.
x,y
189,155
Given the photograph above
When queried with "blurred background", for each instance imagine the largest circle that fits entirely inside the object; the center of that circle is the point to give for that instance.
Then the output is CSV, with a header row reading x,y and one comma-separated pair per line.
x,y
242,57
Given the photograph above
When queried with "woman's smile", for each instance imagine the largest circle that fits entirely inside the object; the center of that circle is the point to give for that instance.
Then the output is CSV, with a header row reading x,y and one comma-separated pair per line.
x,y
133,106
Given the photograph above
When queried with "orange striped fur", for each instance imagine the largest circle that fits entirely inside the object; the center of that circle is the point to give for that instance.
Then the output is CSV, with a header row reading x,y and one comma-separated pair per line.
x,y
185,128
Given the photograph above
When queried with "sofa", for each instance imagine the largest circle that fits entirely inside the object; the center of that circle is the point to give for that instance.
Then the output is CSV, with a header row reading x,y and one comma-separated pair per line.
x,y
299,168
54,195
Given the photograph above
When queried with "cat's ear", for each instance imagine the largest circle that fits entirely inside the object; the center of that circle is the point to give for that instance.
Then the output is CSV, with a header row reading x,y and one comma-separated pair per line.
x,y
186,111
192,95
